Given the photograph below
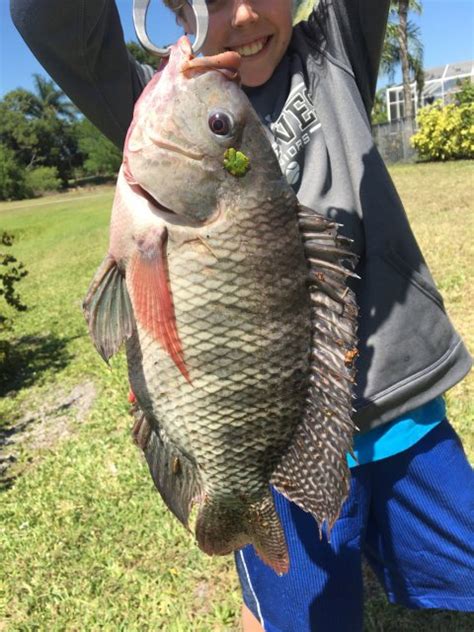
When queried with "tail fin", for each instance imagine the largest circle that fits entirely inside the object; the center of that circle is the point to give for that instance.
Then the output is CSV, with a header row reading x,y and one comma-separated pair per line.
x,y
225,525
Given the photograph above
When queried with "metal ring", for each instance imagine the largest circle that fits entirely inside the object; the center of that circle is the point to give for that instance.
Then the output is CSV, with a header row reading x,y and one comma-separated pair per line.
x,y
140,8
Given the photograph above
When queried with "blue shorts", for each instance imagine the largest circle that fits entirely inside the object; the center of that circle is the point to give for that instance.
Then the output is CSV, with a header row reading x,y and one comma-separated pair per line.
x,y
412,515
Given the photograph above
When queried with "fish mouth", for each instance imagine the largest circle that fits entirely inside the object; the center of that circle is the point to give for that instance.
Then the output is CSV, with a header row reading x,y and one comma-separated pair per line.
x,y
161,209
172,217
226,62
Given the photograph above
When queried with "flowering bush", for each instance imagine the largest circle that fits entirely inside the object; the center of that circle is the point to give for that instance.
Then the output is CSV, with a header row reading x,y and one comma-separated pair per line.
x,y
445,132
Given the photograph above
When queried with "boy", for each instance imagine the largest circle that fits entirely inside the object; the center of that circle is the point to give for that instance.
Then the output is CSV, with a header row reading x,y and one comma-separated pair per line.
x,y
313,87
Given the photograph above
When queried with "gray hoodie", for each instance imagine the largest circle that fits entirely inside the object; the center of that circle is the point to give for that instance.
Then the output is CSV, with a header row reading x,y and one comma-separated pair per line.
x,y
316,108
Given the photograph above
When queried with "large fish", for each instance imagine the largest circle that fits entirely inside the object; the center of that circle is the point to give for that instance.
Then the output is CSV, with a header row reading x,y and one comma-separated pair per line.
x,y
233,304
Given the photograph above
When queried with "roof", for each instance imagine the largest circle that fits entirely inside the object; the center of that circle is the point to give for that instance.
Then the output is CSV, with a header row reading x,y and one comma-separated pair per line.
x,y
451,71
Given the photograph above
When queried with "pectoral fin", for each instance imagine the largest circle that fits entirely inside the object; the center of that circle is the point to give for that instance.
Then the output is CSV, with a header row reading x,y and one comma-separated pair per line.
x,y
108,310
151,294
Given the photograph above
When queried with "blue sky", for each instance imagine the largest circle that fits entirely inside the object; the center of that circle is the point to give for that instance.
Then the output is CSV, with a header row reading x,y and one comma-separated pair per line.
x,y
447,29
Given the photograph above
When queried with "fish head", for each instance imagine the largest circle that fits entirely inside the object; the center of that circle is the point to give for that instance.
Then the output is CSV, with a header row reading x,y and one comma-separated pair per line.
x,y
184,124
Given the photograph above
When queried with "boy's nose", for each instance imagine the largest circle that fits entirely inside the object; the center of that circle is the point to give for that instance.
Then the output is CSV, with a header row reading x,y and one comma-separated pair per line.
x,y
244,13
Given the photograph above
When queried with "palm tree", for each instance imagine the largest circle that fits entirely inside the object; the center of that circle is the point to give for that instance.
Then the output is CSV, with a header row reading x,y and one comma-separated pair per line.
x,y
49,101
403,47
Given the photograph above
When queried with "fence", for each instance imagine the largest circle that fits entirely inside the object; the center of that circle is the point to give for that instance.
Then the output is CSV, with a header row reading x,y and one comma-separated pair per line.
x,y
393,140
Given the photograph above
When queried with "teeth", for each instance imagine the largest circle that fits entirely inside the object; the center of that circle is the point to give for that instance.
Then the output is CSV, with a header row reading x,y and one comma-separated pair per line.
x,y
251,49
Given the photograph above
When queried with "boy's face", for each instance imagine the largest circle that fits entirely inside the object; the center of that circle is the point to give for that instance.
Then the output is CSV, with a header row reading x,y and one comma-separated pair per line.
x,y
260,30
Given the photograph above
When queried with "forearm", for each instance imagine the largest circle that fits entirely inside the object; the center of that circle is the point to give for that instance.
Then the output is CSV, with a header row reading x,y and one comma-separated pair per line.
x,y
80,44
356,28
365,22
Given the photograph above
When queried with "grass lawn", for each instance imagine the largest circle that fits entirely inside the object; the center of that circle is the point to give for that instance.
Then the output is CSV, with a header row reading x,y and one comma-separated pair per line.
x,y
85,542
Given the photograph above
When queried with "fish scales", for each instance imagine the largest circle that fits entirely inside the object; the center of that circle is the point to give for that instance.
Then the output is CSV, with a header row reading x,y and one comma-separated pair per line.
x,y
247,393
233,305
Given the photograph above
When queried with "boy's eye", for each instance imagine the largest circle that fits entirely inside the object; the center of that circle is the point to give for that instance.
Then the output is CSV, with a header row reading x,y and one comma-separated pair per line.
x,y
220,123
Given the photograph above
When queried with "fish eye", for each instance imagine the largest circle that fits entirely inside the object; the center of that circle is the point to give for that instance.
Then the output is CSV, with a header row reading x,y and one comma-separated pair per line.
x,y
220,123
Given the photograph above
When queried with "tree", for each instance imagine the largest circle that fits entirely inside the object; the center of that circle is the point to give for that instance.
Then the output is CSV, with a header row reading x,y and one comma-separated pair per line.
x,y
49,100
403,47
12,176
142,55
37,126
379,111
101,157
18,131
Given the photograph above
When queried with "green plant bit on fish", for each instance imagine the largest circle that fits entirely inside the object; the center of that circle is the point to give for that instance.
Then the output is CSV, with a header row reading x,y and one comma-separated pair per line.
x,y
236,163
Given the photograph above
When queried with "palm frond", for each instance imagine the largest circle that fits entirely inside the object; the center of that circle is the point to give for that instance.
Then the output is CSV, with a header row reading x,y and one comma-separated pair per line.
x,y
391,51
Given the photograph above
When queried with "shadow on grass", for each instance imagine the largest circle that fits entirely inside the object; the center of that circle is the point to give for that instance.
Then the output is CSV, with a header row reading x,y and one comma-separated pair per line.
x,y
22,362
6,479
25,360
382,616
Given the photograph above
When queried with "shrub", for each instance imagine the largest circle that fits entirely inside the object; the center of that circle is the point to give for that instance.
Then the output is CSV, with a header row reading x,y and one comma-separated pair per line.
x,y
466,92
445,133
43,179
11,272
12,176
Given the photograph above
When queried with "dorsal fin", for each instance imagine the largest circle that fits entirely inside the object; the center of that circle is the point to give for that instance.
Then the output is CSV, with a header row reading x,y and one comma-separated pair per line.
x,y
314,472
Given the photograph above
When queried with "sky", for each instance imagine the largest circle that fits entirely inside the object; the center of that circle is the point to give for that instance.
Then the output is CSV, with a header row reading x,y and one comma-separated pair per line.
x,y
447,28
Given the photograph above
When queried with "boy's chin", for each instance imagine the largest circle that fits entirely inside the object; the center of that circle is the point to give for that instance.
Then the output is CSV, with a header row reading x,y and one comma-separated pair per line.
x,y
254,73
254,77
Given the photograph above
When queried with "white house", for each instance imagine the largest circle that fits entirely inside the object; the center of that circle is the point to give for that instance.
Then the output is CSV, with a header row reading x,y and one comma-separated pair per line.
x,y
440,84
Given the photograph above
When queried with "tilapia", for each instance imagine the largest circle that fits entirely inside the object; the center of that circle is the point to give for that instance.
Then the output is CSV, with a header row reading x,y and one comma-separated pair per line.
x,y
233,304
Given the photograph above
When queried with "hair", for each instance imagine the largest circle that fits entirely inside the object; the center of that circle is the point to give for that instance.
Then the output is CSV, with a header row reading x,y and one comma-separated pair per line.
x,y
176,6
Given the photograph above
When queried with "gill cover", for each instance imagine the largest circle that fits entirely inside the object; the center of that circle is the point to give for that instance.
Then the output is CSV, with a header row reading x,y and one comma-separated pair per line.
x,y
172,150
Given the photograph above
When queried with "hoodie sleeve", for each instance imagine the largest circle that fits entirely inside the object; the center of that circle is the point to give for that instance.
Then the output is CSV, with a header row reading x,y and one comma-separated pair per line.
x,y
352,32
80,44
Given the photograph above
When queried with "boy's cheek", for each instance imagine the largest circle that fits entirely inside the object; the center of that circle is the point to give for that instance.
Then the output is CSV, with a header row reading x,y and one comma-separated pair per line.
x,y
189,21
211,46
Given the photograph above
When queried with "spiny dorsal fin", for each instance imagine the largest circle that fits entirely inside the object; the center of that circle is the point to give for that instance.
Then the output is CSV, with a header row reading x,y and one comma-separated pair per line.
x,y
108,310
314,472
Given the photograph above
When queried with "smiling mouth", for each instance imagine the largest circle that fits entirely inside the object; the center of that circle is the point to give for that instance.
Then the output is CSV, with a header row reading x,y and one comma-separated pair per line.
x,y
253,48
